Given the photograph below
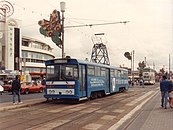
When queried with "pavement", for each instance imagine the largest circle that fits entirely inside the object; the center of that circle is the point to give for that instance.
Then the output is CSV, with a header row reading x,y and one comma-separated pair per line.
x,y
151,116
10,105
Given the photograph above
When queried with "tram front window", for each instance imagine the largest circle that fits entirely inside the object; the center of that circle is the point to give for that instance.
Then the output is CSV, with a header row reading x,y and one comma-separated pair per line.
x,y
62,72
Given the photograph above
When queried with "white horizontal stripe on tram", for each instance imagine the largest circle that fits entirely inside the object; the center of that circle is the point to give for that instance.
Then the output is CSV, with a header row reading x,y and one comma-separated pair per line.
x,y
60,82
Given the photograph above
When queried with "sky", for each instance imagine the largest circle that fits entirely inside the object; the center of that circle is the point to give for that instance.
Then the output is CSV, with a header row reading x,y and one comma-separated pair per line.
x,y
149,31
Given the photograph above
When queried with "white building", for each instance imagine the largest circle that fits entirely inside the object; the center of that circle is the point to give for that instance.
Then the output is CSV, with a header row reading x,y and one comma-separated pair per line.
x,y
19,53
34,53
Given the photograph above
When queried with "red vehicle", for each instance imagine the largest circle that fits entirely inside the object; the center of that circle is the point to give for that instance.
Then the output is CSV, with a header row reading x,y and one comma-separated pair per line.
x,y
32,87
7,87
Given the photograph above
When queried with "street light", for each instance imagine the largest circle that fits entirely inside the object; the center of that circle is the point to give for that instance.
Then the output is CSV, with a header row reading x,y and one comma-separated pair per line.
x,y
62,6
133,52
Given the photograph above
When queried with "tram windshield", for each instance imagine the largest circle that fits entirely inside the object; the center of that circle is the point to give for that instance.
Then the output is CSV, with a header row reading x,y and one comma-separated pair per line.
x,y
62,72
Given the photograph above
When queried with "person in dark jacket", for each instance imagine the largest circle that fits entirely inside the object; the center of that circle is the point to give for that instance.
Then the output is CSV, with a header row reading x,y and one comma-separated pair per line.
x,y
16,86
164,88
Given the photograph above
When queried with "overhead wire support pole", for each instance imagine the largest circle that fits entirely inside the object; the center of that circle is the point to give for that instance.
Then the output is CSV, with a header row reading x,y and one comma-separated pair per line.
x,y
133,52
169,66
90,25
62,6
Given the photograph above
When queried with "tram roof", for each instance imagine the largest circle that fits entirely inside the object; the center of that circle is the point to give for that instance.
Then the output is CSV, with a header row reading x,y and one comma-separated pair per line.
x,y
148,68
52,61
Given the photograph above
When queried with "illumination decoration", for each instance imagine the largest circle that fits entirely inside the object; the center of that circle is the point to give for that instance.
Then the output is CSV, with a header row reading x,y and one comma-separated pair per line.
x,y
6,8
52,28
128,55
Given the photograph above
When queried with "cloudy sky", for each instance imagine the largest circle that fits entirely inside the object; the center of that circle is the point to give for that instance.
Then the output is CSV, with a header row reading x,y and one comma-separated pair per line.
x,y
149,32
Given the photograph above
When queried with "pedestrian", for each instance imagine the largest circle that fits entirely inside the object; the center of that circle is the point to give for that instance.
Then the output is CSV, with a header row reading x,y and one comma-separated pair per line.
x,y
132,83
141,83
16,86
164,88
171,99
171,95
43,82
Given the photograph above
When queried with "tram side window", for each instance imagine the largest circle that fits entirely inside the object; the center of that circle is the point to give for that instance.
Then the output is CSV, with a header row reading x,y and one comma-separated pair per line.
x,y
75,72
97,71
122,74
118,73
125,75
112,73
71,72
103,72
91,70
50,72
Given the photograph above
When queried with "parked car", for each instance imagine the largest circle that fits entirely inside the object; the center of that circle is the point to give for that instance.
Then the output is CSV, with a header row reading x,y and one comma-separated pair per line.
x,y
7,86
32,87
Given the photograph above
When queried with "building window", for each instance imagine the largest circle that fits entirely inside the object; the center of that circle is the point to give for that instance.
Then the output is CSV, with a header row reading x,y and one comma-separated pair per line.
x,y
25,43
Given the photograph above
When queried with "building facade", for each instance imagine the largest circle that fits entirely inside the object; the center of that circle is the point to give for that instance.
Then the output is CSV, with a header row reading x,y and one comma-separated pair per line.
x,y
20,54
34,53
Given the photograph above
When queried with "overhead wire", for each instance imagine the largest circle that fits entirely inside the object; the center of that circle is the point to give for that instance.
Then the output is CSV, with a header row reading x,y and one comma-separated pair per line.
x,y
90,25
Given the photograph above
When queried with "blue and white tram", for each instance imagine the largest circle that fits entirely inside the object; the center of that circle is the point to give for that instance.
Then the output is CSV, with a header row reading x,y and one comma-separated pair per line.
x,y
76,79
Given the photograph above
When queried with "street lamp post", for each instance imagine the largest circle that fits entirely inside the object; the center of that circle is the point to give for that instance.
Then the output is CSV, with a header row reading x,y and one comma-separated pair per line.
x,y
62,6
133,52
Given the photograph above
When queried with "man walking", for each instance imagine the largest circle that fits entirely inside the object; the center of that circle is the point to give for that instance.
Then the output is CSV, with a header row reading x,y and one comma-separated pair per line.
x,y
16,86
164,88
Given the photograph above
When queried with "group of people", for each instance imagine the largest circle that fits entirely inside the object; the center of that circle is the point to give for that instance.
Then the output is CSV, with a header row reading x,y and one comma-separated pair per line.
x,y
166,88
138,82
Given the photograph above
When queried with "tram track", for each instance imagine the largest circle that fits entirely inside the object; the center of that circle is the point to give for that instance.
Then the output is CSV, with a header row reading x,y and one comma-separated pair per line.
x,y
82,115
64,110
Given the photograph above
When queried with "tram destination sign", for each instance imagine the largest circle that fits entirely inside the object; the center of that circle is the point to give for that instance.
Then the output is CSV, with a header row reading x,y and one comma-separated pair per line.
x,y
60,61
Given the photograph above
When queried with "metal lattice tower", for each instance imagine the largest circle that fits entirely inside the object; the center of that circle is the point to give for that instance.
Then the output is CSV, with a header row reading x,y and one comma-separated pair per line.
x,y
99,50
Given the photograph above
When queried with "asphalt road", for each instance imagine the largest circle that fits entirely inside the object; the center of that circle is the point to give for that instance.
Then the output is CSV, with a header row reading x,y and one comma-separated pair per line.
x,y
105,113
8,97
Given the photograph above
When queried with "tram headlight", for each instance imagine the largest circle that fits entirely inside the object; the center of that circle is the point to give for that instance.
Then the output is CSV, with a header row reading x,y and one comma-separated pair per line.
x,y
51,91
68,91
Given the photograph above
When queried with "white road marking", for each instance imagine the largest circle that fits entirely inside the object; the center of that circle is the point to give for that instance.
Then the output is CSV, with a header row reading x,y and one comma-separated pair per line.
x,y
139,99
130,114
118,110
101,111
49,125
92,126
108,117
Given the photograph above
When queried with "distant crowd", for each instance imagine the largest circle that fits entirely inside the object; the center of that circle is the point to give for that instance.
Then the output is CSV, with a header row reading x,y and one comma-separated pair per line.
x,y
136,82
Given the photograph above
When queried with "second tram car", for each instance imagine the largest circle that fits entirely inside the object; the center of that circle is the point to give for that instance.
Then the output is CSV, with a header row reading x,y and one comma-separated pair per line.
x,y
78,80
148,76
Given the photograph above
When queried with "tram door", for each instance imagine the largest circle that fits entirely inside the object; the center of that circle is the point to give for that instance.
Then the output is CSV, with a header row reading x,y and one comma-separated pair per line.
x,y
107,81
82,79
